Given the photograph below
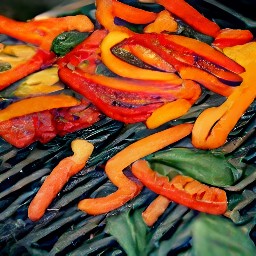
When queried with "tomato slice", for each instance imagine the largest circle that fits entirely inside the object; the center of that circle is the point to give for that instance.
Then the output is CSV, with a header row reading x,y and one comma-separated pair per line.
x,y
182,190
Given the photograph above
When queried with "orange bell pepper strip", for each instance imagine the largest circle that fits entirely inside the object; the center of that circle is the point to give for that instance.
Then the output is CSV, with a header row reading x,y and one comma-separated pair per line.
x,y
191,16
37,104
104,15
42,32
40,59
132,14
125,69
128,189
168,112
214,124
59,176
182,190
230,37
164,22
156,208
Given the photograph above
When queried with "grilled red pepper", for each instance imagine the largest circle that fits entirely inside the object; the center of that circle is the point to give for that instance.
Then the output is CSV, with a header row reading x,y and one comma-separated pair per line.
x,y
191,16
182,189
205,64
39,60
126,100
42,32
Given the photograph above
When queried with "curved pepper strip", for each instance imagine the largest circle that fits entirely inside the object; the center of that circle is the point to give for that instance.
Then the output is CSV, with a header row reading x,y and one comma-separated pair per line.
x,y
128,189
132,14
104,15
214,124
182,190
125,69
129,101
191,16
59,176
39,60
42,32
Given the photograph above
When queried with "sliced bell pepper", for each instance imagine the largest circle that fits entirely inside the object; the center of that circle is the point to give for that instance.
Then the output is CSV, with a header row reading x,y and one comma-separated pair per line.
x,y
42,32
213,125
39,60
59,176
230,37
191,16
132,14
124,69
182,190
128,189
126,100
164,22
105,16
86,52
37,104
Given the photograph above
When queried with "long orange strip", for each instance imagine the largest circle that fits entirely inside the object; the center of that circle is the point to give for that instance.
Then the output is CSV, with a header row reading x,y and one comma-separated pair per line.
x,y
128,189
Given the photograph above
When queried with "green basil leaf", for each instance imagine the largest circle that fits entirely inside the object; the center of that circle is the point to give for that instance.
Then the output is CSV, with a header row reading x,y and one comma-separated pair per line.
x,y
130,231
215,235
205,166
4,66
66,41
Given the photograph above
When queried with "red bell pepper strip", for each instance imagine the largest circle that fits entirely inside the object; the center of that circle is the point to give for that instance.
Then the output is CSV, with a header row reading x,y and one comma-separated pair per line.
x,y
39,60
87,51
132,14
42,32
182,190
59,176
231,37
191,16
126,100
128,189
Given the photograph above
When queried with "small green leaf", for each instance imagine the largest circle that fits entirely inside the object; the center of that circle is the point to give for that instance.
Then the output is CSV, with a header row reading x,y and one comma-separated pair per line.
x,y
66,41
4,66
130,231
215,235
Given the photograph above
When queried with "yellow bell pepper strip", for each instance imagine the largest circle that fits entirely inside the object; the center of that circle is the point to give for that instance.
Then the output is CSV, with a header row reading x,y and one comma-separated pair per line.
x,y
214,124
104,15
132,14
182,190
37,104
164,22
125,69
230,37
126,100
39,60
191,16
59,176
128,189
168,112
156,208
42,32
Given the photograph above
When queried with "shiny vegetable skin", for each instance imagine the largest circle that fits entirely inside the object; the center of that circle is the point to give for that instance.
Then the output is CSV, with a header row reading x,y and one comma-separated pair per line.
x,y
40,59
37,104
182,189
126,100
59,176
191,16
43,32
132,14
128,189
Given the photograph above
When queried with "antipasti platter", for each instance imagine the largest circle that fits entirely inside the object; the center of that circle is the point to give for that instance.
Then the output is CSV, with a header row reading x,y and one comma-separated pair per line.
x,y
128,128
